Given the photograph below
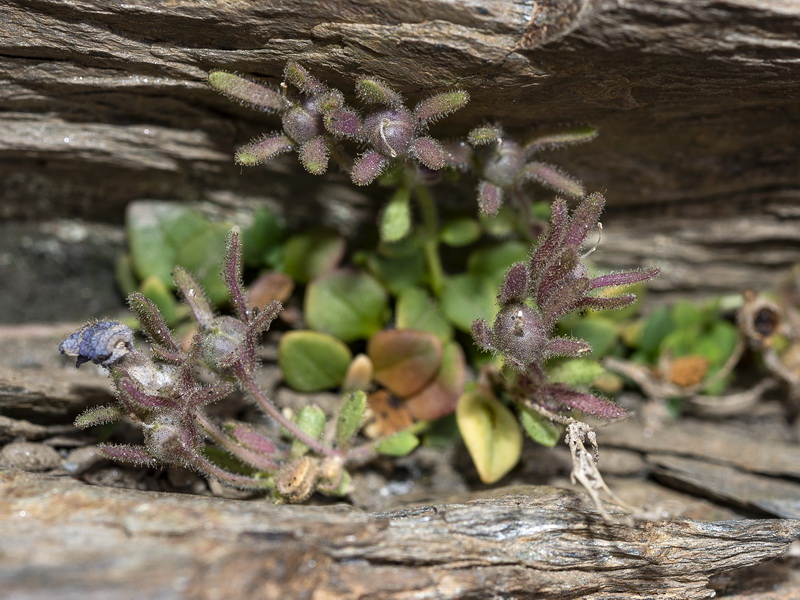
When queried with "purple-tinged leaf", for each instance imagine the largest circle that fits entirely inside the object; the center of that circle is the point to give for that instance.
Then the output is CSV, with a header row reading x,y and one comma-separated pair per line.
x,y
584,219
613,303
313,155
429,152
132,394
458,155
554,178
246,92
263,149
483,136
624,278
373,90
135,455
562,299
440,105
343,122
440,397
559,139
209,394
232,274
515,285
251,439
300,78
567,346
546,252
194,296
367,167
241,441
261,320
482,335
490,198
555,274
404,360
151,321
330,100
168,356
586,403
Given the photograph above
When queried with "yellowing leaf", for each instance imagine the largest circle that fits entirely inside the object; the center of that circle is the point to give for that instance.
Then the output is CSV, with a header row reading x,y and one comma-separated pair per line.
x,y
491,433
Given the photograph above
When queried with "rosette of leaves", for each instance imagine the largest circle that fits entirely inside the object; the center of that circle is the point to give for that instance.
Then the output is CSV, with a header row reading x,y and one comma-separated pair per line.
x,y
396,133
533,297
505,165
311,123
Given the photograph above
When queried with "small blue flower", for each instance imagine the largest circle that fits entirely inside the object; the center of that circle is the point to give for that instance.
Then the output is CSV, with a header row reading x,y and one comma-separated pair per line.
x,y
101,342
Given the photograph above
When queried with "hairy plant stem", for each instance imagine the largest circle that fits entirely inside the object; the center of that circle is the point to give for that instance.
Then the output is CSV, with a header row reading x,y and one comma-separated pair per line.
x,y
355,456
251,387
255,459
430,238
232,479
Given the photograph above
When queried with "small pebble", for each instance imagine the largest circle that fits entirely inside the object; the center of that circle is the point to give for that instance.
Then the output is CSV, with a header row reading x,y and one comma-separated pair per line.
x,y
82,459
117,477
29,456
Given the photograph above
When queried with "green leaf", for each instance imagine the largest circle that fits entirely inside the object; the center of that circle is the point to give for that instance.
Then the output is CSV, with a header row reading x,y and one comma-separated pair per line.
x,y
396,218
494,261
442,433
404,360
717,346
399,444
147,223
98,416
163,234
311,255
201,255
311,420
575,372
503,224
723,337
262,238
467,297
415,309
657,326
156,291
350,417
311,361
460,232
686,314
491,434
398,272
126,278
541,211
350,305
680,342
600,332
540,430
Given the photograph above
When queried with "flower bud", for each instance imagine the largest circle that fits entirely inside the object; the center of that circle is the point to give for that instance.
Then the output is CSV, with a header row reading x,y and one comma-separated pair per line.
x,y
390,131
519,334
502,163
223,344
